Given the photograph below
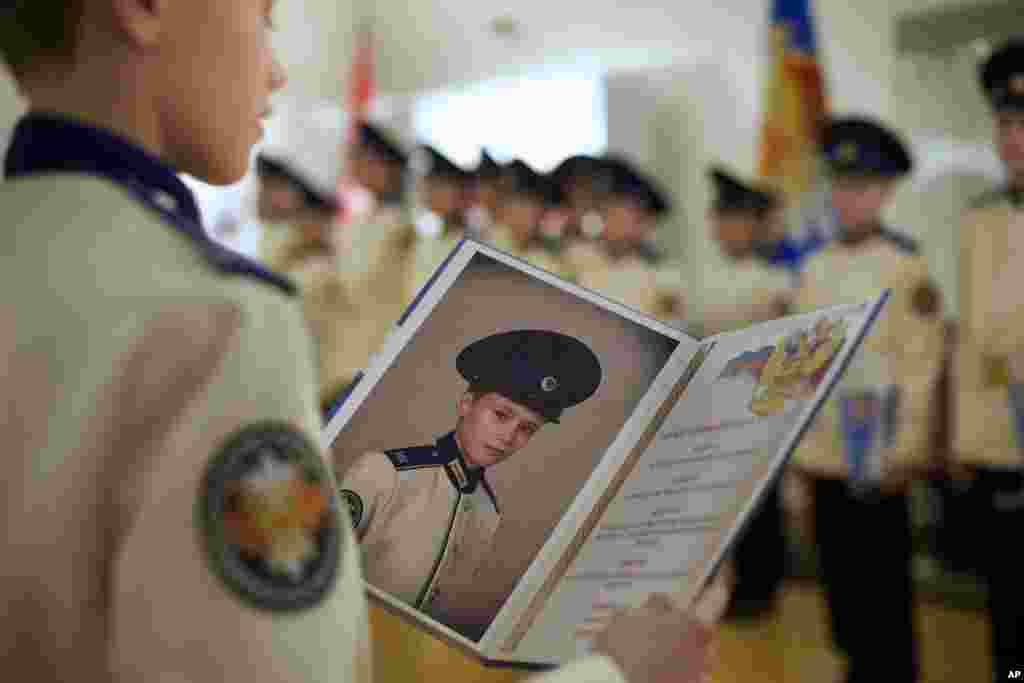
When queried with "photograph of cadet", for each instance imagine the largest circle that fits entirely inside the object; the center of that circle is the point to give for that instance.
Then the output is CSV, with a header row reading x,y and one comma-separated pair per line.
x,y
506,411
423,539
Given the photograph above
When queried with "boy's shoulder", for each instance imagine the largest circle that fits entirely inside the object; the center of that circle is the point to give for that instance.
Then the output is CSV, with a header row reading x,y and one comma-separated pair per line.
x,y
85,222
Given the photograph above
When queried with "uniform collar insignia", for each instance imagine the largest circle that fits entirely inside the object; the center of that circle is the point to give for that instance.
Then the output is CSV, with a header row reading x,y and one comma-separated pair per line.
x,y
464,477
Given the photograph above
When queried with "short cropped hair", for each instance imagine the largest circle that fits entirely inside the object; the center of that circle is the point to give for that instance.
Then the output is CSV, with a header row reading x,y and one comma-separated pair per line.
x,y
38,33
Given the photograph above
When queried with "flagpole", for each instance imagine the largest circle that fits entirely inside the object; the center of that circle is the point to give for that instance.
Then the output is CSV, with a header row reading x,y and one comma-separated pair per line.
x,y
357,99
794,109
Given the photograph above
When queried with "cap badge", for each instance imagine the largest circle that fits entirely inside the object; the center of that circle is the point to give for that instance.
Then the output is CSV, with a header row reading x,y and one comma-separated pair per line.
x,y
549,384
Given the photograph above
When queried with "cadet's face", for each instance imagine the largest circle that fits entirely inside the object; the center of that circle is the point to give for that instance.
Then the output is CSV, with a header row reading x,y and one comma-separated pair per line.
x,y
371,172
859,200
521,215
734,231
486,194
1010,142
580,196
220,74
625,220
491,427
443,196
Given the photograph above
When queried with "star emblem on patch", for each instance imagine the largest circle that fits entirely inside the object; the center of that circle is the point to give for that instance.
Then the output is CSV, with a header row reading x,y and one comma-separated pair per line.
x,y
268,517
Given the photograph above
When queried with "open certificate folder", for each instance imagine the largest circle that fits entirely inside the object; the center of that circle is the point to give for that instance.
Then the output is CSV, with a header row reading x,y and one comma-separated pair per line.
x,y
661,448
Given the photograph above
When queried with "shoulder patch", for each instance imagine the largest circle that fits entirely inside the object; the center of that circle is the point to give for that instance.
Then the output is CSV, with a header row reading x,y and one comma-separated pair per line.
x,y
355,506
267,518
903,242
925,299
412,458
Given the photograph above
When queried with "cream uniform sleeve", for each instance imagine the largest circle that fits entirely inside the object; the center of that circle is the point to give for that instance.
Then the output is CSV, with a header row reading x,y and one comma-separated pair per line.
x,y
233,561
368,488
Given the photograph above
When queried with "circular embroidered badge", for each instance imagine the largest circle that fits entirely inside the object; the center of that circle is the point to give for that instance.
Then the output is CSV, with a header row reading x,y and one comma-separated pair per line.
x,y
355,506
267,513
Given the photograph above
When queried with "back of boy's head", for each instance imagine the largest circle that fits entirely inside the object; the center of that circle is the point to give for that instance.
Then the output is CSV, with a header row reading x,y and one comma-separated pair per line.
x,y
38,34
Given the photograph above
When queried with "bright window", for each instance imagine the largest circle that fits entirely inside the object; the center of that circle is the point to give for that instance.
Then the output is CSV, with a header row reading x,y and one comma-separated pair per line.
x,y
541,119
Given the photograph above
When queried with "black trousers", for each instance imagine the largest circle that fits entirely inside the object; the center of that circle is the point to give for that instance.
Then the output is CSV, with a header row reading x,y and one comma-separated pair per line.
x,y
759,558
1000,517
864,547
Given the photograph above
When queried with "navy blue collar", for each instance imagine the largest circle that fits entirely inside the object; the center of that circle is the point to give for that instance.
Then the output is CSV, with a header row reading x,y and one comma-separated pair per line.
x,y
47,143
44,143
465,477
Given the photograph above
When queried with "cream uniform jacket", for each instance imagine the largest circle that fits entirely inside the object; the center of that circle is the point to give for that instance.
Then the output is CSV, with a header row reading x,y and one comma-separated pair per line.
x,y
160,377
751,294
631,279
904,348
424,521
534,254
987,358
149,373
353,299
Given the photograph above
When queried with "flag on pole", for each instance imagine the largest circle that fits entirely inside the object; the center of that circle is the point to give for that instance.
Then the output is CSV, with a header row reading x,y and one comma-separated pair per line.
x,y
795,104
361,89
362,84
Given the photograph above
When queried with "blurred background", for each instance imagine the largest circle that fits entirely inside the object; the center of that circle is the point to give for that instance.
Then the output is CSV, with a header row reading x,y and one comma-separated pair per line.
x,y
674,88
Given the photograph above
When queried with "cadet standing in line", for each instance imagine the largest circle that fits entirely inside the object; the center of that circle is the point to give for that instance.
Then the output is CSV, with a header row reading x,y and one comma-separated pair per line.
x,y
756,292
525,197
293,213
485,189
623,265
160,392
583,183
364,292
440,221
856,517
401,502
300,241
989,372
